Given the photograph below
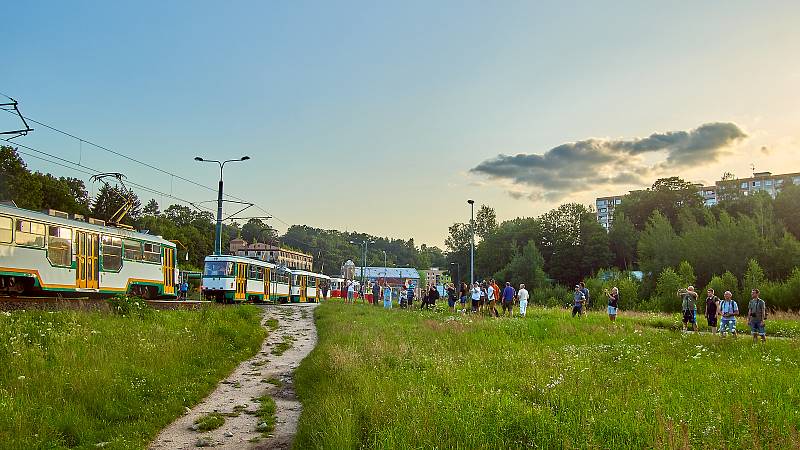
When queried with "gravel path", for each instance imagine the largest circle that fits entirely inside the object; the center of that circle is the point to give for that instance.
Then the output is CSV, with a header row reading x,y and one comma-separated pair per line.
x,y
235,397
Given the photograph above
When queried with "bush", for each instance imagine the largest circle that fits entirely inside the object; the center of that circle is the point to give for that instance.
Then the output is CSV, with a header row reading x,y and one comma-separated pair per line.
x,y
726,282
552,296
668,284
125,306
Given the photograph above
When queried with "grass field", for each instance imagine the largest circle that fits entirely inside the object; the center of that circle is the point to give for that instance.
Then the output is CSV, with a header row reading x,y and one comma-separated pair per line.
x,y
78,379
417,379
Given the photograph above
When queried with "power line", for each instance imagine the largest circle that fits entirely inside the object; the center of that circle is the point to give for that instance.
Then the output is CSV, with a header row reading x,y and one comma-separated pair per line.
x,y
148,165
91,171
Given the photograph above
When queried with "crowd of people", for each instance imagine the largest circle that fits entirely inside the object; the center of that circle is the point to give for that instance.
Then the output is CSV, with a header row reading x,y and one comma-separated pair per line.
x,y
483,297
724,312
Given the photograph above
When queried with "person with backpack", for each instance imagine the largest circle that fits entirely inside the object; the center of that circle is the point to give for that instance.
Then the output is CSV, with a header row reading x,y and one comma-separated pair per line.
x,y
712,310
578,300
689,307
756,315
729,309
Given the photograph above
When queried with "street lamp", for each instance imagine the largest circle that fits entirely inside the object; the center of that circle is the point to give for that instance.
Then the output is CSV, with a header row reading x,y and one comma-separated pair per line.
x,y
458,273
472,242
365,243
218,234
384,266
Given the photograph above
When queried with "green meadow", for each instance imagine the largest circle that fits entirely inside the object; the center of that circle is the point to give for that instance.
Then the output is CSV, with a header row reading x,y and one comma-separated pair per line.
x,y
431,379
92,379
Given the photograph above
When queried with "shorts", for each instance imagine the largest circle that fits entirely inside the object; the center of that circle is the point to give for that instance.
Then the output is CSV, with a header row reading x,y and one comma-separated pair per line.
x,y
728,324
463,299
757,327
576,309
612,311
508,306
475,304
712,321
451,302
690,316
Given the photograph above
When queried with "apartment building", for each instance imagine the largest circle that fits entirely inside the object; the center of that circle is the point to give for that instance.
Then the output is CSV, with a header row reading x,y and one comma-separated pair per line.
x,y
604,206
272,253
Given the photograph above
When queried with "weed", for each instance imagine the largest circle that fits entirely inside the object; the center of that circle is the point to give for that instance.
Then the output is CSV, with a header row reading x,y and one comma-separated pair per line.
x,y
266,414
209,422
272,324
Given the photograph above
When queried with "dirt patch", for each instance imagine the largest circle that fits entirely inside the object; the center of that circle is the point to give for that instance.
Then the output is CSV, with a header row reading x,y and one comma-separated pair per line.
x,y
236,398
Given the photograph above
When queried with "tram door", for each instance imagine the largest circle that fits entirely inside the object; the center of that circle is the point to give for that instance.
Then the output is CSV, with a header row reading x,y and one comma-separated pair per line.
x,y
241,281
169,271
86,252
303,290
267,277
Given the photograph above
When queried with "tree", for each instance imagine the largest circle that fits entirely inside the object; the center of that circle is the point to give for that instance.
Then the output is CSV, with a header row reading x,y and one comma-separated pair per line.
x,y
526,266
668,196
787,208
623,239
658,245
457,246
686,272
753,278
485,221
594,245
256,230
110,198
151,208
667,287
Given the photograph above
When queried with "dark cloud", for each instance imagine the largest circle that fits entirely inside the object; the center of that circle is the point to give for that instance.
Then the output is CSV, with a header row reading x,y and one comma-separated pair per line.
x,y
591,163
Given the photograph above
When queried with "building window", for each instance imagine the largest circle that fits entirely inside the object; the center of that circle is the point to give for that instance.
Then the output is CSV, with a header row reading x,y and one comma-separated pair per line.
x,y
744,185
602,210
59,246
768,183
6,229
618,201
757,183
112,253
601,203
30,233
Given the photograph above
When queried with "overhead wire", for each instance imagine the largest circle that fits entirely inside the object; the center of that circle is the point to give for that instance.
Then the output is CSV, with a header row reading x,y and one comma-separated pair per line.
x,y
150,166
82,168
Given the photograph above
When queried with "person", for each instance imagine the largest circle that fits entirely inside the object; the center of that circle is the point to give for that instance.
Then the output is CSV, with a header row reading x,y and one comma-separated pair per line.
x,y
613,303
728,309
410,295
376,293
585,292
497,296
463,294
523,297
451,297
484,296
325,290
578,301
689,307
508,299
402,297
431,297
387,296
476,297
184,289
756,315
712,310
351,292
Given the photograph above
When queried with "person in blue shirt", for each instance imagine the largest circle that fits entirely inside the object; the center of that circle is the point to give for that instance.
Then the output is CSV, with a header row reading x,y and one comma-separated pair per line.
x,y
578,300
729,309
184,290
387,296
508,299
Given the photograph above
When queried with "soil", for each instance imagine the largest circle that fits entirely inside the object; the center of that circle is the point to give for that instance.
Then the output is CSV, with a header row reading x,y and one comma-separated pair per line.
x,y
235,397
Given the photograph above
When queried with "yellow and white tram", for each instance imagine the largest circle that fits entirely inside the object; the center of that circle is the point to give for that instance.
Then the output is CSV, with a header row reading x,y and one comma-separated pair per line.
x,y
228,278
47,254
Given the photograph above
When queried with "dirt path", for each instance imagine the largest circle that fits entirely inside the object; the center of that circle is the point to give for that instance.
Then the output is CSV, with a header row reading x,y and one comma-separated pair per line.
x,y
236,396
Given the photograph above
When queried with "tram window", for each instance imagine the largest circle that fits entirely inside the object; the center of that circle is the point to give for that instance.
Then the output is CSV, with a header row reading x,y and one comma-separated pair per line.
x,y
133,250
30,233
112,253
6,229
59,246
254,272
152,252
218,269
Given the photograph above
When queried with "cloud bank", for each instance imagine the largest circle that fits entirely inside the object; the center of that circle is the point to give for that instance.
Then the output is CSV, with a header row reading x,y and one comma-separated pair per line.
x,y
593,163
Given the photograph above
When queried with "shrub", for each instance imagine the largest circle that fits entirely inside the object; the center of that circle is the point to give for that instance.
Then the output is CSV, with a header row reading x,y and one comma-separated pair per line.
x,y
123,305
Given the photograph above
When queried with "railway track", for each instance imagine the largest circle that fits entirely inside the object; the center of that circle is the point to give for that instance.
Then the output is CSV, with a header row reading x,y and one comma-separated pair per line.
x,y
10,303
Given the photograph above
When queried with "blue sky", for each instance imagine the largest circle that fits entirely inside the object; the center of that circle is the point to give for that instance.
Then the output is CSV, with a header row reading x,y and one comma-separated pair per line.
x,y
374,113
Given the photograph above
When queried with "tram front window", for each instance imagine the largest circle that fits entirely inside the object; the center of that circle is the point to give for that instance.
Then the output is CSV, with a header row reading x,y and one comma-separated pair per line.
x,y
218,269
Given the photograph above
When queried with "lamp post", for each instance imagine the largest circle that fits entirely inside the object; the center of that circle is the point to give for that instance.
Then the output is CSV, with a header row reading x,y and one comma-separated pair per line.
x,y
384,266
472,242
218,234
458,274
365,243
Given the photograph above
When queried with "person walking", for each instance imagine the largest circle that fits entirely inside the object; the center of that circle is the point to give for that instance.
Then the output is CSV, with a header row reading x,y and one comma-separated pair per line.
x,y
463,295
508,299
585,291
728,309
577,301
387,296
689,307
712,310
756,315
476,297
613,303
523,296
451,297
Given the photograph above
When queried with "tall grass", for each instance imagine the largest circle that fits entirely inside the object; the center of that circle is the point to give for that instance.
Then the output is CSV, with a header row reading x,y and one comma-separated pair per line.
x,y
405,379
77,379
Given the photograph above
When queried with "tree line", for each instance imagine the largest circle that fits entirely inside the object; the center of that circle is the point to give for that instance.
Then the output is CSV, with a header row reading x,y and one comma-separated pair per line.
x,y
665,232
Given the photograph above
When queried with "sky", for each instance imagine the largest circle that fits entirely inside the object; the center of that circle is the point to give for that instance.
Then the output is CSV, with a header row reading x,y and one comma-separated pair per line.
x,y
385,117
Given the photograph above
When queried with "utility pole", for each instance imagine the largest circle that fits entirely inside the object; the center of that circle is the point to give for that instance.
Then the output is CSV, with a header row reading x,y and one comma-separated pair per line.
x,y
218,232
472,243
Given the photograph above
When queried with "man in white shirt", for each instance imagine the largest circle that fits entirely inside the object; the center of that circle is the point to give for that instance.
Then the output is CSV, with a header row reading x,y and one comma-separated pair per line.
x,y
523,296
